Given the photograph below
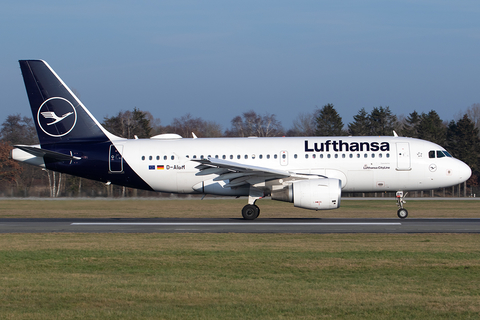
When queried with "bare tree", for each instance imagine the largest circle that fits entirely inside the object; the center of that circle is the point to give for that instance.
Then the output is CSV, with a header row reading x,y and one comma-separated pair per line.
x,y
303,125
18,130
187,124
128,124
252,124
473,114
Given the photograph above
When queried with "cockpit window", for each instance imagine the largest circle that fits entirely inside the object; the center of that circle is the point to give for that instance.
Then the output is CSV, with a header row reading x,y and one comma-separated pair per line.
x,y
438,154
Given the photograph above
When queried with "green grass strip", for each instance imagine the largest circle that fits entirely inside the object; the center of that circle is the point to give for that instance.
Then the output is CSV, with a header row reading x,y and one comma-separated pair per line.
x,y
222,276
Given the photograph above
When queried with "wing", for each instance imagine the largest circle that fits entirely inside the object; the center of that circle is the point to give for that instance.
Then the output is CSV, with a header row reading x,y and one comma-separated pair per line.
x,y
238,174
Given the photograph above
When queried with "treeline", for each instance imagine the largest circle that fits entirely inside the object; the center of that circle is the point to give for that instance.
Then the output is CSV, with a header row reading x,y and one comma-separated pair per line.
x,y
460,137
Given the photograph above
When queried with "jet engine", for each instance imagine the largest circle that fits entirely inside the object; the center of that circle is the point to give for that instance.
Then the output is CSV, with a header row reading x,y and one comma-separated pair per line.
x,y
316,194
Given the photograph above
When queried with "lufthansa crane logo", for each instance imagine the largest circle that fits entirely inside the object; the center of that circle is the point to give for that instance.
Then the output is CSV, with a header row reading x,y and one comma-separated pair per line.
x,y
57,116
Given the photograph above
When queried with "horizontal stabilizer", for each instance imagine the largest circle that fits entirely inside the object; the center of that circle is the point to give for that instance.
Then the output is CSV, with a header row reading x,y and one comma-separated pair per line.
x,y
38,152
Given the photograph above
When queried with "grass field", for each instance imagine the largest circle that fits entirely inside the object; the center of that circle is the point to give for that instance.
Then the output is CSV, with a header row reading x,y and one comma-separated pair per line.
x,y
222,276
237,276
231,208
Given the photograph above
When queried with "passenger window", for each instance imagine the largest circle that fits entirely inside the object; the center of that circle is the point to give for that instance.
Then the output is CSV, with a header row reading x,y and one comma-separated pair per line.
x,y
216,156
350,155
260,156
268,156
388,155
380,155
231,156
336,155
194,157
373,155
224,157
343,155
165,157
431,154
328,156
275,156
321,156
306,155
158,157
253,156
358,155
172,157
150,158
143,157
314,156
246,157
238,156
365,155
295,156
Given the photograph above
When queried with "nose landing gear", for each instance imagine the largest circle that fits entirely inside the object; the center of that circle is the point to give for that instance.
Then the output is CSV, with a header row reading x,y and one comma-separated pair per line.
x,y
402,213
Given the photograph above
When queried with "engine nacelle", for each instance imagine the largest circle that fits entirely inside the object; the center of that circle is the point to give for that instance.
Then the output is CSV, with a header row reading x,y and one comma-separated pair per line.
x,y
316,194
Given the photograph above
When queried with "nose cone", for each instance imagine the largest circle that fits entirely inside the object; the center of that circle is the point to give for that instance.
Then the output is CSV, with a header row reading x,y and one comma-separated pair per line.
x,y
463,170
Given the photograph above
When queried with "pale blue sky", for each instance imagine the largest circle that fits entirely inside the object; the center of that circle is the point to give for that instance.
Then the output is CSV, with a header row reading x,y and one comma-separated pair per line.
x,y
217,59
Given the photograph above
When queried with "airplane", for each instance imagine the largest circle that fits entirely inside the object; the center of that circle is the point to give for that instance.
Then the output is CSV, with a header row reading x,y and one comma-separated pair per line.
x,y
310,172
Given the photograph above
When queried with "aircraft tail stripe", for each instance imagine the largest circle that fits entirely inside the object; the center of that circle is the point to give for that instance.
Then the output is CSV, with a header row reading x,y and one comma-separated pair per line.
x,y
58,114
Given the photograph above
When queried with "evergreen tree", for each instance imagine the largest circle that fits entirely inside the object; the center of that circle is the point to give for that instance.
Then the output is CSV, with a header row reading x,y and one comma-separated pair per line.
x,y
410,129
142,123
329,122
431,128
360,125
463,142
382,121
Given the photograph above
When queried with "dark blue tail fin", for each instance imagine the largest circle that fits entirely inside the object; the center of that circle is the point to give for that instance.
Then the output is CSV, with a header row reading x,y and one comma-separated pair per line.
x,y
58,114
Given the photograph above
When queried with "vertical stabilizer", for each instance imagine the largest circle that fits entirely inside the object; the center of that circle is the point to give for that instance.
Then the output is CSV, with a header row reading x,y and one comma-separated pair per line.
x,y
58,114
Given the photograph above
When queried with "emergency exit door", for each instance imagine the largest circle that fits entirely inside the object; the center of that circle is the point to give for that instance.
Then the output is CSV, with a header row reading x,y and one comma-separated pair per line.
x,y
115,159
403,156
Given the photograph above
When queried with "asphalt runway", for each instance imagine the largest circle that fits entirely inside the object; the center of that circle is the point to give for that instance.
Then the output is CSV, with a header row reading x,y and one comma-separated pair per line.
x,y
179,225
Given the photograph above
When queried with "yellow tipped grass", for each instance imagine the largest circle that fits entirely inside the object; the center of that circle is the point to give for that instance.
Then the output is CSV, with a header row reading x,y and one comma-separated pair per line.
x,y
248,276
229,208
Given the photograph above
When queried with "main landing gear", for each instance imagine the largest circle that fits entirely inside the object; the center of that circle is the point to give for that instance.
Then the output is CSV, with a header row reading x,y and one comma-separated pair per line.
x,y
402,213
251,211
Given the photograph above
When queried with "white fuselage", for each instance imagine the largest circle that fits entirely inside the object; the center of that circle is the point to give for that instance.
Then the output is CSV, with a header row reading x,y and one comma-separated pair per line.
x,y
363,164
